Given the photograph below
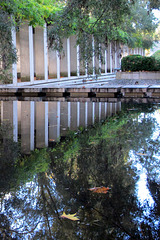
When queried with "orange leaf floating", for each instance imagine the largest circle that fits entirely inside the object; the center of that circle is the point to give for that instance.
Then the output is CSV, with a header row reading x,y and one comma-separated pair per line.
x,y
99,189
70,216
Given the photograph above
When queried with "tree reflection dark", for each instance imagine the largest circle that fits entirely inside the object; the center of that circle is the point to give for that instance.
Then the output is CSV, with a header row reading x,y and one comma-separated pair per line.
x,y
99,156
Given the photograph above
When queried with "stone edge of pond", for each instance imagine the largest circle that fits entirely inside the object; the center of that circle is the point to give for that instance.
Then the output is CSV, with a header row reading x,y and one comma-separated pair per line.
x,y
102,91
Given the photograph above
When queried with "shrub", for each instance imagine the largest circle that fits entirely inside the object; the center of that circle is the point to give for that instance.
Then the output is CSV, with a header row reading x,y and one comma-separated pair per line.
x,y
140,63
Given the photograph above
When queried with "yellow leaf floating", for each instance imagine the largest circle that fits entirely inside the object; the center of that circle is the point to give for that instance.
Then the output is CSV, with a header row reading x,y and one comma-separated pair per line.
x,y
70,216
142,154
99,189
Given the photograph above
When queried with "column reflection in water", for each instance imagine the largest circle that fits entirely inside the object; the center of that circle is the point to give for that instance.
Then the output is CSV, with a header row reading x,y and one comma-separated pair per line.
x,y
26,119
15,121
32,126
89,113
96,112
54,121
73,116
7,115
103,110
82,115
25,127
64,117
38,123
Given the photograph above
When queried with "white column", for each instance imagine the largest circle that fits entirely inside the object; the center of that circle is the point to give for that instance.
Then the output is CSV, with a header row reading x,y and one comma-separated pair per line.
x,y
14,65
100,64
78,62
31,55
45,52
115,55
32,126
86,68
58,65
15,121
110,58
105,61
123,51
93,56
140,51
68,58
46,124
120,55
127,51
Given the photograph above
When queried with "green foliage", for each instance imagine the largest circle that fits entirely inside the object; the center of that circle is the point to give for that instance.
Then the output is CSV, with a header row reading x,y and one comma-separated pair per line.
x,y
34,11
129,22
9,154
7,51
107,21
156,55
29,166
139,63
153,4
111,162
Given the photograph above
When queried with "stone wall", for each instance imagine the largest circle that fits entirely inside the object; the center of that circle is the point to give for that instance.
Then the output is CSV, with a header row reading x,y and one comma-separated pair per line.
x,y
138,75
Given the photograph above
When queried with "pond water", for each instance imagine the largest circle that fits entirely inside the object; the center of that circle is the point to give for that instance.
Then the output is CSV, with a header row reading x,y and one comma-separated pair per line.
x,y
79,170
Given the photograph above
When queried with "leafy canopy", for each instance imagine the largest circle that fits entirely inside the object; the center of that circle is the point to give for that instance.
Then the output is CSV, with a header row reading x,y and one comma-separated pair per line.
x,y
130,22
35,11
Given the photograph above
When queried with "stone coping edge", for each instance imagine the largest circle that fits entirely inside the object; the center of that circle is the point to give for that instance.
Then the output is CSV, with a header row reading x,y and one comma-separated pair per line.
x,y
101,91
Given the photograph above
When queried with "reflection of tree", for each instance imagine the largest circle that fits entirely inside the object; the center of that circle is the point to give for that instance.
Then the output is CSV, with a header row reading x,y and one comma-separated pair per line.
x,y
98,157
9,153
102,162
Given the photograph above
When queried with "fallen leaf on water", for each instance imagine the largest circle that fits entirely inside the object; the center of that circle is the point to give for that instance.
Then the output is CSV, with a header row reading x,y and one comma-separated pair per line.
x,y
142,154
51,140
99,189
70,216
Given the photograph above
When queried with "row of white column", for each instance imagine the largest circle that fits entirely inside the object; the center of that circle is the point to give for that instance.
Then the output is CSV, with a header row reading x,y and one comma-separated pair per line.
x,y
106,67
31,57
126,51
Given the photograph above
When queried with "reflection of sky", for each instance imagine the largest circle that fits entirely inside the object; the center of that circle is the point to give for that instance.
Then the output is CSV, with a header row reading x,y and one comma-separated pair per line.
x,y
142,190
156,13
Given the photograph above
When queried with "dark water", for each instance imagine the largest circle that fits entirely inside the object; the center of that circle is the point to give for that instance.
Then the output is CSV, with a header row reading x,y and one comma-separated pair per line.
x,y
116,146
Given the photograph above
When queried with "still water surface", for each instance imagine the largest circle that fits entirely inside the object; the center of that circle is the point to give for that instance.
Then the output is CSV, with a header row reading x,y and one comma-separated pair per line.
x,y
61,152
